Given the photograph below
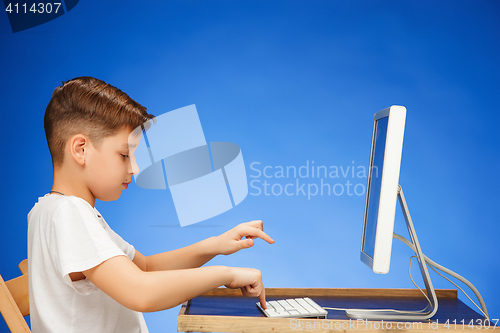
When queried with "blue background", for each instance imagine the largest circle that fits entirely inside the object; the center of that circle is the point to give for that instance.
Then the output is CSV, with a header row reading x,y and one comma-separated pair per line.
x,y
291,82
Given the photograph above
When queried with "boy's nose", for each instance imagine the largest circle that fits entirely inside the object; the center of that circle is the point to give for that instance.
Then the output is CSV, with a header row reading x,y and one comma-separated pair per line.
x,y
133,167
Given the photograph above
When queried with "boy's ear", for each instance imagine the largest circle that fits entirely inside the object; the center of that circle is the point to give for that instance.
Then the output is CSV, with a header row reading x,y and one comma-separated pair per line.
x,y
78,146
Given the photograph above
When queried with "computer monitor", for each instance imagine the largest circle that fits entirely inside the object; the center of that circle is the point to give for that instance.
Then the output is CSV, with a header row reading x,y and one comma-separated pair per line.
x,y
382,188
380,210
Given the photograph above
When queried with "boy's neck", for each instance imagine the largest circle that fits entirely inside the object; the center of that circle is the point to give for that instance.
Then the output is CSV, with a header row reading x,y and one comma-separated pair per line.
x,y
67,184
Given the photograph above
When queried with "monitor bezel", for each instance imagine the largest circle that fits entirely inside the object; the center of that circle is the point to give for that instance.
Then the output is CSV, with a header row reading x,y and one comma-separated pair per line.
x,y
380,263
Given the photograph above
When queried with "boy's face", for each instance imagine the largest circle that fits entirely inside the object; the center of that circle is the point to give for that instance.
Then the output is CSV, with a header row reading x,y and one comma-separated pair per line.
x,y
109,168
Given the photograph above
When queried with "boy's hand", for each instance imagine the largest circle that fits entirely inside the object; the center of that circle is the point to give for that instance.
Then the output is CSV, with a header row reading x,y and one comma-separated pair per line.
x,y
231,241
249,280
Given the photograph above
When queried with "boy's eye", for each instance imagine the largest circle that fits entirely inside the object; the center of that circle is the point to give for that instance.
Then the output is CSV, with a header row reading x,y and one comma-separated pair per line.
x,y
124,156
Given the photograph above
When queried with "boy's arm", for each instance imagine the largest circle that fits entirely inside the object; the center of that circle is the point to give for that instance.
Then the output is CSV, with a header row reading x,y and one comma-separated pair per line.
x,y
187,257
199,253
143,291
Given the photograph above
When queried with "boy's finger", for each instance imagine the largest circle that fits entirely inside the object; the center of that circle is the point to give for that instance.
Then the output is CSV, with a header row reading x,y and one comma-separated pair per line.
x,y
262,298
246,243
255,232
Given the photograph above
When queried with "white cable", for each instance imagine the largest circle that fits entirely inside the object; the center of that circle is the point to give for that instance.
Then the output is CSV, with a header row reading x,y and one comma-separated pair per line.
x,y
424,310
433,265
375,310
411,278
484,314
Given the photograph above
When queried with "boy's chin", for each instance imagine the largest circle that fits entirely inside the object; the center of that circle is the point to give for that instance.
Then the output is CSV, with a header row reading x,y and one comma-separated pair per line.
x,y
111,197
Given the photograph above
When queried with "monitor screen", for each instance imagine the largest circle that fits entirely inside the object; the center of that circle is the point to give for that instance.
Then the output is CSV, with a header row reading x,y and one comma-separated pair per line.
x,y
375,180
382,187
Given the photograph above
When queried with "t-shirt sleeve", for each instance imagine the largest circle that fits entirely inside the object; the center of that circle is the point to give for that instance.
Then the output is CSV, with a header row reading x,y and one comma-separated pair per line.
x,y
126,247
81,243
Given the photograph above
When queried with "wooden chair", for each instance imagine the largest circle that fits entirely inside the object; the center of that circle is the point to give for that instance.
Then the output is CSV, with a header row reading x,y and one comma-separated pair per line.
x,y
14,300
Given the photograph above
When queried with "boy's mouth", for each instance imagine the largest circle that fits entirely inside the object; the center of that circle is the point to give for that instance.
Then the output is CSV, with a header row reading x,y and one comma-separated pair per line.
x,y
125,185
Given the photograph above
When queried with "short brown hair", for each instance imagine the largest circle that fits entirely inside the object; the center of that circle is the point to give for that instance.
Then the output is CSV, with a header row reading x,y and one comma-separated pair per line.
x,y
88,106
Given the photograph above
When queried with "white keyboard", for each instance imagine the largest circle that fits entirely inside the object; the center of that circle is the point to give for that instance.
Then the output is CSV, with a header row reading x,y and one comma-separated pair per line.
x,y
293,307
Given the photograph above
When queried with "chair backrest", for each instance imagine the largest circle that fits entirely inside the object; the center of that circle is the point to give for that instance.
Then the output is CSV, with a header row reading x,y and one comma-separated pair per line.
x,y
14,300
23,266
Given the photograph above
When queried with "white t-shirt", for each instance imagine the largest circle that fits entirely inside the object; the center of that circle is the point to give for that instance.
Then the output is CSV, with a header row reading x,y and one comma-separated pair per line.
x,y
65,235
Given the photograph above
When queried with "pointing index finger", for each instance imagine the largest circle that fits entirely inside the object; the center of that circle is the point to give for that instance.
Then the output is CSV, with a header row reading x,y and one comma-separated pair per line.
x,y
262,298
253,232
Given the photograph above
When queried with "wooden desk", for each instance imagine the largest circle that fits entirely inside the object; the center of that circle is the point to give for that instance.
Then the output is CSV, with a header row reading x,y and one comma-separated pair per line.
x,y
226,310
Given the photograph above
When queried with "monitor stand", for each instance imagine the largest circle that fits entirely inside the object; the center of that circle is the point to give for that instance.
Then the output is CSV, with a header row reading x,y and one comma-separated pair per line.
x,y
404,314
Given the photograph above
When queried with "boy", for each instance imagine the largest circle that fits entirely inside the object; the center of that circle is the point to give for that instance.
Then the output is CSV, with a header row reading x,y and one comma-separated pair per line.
x,y
83,277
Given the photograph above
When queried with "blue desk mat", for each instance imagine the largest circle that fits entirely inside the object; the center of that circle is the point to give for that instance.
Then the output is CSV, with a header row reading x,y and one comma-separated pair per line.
x,y
448,309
